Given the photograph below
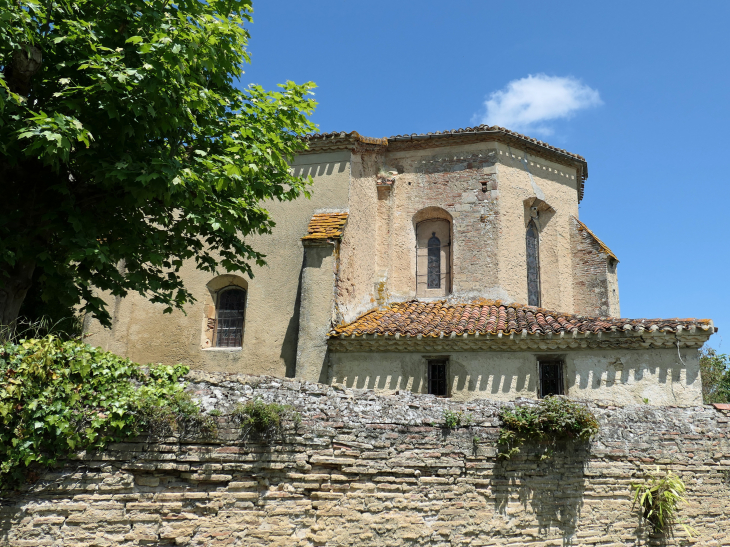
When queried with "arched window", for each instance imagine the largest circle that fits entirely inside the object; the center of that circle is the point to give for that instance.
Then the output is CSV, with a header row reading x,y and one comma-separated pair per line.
x,y
434,262
433,257
533,264
230,310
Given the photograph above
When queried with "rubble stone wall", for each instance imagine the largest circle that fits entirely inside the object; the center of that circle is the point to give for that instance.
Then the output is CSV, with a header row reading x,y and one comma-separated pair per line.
x,y
363,469
595,282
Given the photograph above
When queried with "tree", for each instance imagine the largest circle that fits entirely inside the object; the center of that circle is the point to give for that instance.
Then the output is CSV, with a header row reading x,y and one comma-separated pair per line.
x,y
715,373
126,148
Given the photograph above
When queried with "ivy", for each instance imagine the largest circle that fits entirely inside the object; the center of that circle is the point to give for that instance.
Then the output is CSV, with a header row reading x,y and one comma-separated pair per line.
x,y
553,419
59,397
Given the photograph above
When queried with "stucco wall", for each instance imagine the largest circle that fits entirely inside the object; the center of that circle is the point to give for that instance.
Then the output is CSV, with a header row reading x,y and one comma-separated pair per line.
x,y
615,376
522,177
366,470
319,274
143,333
488,224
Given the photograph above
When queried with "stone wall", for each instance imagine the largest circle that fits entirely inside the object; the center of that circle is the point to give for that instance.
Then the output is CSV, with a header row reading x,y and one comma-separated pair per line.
x,y
363,469
595,283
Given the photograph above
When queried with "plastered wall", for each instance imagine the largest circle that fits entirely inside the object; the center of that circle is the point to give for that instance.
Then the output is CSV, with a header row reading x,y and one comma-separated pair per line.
x,y
143,333
482,189
656,376
370,470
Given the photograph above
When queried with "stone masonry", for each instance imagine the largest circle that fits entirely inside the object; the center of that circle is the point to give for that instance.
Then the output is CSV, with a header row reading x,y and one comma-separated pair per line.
x,y
594,273
363,469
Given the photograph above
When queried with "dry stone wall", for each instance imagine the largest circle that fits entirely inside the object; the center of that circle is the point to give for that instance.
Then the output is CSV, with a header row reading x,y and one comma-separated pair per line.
x,y
363,469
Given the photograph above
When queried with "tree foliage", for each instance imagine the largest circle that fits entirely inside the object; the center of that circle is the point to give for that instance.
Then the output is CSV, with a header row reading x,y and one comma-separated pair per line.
x,y
59,397
715,373
126,147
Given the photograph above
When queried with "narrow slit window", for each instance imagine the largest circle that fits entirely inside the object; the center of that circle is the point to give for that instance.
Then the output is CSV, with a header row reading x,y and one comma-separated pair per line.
x,y
551,378
229,318
434,262
533,265
437,377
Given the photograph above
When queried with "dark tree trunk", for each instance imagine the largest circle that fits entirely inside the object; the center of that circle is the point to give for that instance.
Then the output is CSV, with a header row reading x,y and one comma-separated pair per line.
x,y
14,285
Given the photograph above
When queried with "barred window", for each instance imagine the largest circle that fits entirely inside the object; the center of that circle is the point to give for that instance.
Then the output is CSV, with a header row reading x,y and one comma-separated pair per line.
x,y
437,377
230,312
551,378
533,265
434,262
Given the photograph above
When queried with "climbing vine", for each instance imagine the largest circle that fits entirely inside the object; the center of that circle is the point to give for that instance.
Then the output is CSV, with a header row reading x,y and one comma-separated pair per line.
x,y
553,419
58,397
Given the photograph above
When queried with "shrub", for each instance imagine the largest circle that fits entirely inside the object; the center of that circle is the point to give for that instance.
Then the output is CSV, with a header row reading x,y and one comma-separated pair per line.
x,y
264,420
453,419
58,397
659,498
553,419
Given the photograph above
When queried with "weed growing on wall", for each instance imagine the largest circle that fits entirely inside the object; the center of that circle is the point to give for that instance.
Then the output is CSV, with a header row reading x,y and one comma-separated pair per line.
x,y
58,397
659,497
452,419
264,421
553,419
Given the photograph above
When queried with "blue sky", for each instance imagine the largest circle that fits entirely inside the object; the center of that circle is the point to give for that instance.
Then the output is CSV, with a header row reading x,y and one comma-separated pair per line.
x,y
645,86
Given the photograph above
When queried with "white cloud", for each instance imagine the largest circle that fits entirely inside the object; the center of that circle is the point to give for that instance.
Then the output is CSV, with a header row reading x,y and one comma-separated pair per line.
x,y
525,105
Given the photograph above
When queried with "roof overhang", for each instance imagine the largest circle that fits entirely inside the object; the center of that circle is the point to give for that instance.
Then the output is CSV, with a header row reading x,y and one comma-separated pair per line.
x,y
576,341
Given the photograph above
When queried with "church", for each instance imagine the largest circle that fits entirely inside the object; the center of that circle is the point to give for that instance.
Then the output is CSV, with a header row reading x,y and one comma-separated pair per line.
x,y
450,263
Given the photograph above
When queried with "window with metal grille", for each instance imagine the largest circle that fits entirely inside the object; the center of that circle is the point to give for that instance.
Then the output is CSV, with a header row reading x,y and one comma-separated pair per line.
x,y
434,262
551,378
229,318
533,265
437,377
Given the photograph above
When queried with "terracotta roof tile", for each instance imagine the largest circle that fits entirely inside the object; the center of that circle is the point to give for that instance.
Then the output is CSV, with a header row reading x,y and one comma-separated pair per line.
x,y
435,318
603,246
326,226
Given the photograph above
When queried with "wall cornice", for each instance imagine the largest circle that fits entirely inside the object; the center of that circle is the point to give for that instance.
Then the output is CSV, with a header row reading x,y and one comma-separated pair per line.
x,y
519,342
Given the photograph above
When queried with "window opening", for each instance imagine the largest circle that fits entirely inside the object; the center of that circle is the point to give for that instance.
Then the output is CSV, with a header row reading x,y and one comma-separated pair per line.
x,y
433,258
533,265
551,378
229,318
437,377
434,262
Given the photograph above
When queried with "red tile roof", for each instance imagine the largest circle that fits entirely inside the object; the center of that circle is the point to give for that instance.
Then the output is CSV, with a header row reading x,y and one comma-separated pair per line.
x,y
486,317
326,226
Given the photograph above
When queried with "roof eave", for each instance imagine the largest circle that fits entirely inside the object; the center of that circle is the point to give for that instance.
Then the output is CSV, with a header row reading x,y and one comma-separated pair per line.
x,y
647,339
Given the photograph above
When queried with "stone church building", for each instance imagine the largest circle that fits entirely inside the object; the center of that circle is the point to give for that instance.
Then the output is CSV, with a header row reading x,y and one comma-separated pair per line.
x,y
448,263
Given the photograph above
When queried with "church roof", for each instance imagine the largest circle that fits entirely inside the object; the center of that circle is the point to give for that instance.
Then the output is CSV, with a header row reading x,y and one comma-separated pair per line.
x,y
437,319
326,226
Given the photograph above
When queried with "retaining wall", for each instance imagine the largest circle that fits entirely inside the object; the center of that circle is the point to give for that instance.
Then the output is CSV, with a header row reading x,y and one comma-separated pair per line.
x,y
363,469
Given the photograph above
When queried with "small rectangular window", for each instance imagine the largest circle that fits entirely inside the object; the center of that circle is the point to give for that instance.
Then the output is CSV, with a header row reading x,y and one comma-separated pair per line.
x,y
551,378
437,377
